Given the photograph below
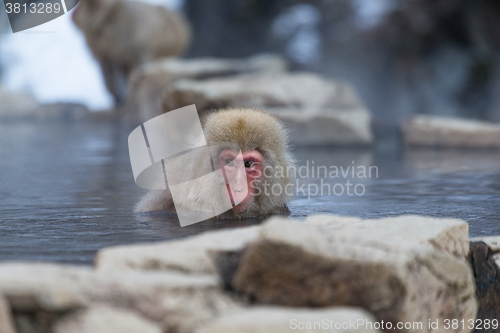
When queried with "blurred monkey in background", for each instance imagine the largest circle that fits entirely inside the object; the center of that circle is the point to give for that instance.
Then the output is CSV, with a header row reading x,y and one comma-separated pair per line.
x,y
124,34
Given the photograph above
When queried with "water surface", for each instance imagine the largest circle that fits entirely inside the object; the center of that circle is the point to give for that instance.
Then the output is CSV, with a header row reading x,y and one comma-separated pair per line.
x,y
67,190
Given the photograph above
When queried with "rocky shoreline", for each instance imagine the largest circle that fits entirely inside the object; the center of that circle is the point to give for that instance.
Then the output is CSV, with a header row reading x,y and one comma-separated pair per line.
x,y
316,110
267,278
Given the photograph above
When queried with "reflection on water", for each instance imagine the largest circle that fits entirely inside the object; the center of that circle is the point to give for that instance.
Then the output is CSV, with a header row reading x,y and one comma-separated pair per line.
x,y
68,190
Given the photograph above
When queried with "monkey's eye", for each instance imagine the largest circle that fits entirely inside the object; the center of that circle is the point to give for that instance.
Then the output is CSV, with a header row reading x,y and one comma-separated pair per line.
x,y
249,164
229,163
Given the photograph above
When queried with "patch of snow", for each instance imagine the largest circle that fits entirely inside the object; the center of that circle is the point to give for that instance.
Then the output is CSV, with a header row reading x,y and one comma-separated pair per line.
x,y
170,4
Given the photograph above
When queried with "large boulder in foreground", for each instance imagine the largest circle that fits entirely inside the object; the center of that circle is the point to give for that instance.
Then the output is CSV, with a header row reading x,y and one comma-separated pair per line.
x,y
104,319
404,269
285,320
192,255
434,131
41,294
316,110
485,261
148,81
6,320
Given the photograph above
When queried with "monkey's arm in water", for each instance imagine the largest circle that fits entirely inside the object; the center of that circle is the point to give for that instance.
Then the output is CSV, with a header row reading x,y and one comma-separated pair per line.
x,y
156,200
180,170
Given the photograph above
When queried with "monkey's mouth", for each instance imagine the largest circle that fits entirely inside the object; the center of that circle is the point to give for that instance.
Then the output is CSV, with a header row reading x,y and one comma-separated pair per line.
x,y
240,198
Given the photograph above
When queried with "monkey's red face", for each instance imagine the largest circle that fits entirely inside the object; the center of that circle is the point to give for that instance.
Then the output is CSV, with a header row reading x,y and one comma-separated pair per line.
x,y
240,172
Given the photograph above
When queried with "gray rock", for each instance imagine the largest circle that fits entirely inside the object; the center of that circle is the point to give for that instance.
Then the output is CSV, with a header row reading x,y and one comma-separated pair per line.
x,y
484,260
190,255
281,320
404,269
450,132
420,160
493,242
16,105
289,90
62,111
403,232
148,81
311,126
6,320
317,111
104,319
174,301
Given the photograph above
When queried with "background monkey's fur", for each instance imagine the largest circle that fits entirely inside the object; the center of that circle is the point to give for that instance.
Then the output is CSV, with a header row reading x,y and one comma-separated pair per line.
x,y
249,130
125,34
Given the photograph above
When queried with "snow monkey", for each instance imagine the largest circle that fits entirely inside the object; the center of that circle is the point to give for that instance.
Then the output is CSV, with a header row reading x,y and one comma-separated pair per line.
x,y
124,34
261,142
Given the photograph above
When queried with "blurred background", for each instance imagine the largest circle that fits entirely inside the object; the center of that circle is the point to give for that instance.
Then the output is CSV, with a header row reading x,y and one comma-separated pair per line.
x,y
404,57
